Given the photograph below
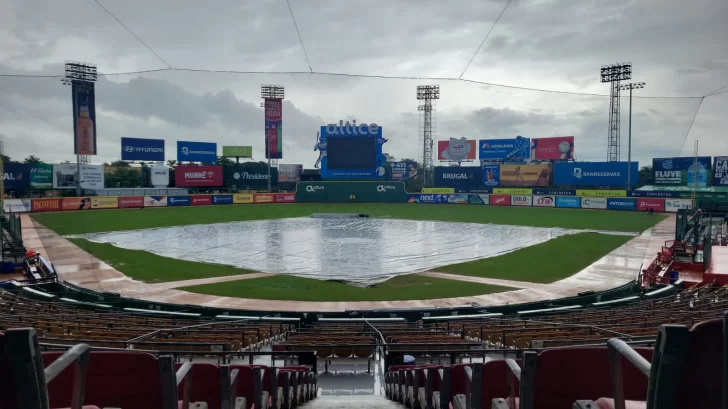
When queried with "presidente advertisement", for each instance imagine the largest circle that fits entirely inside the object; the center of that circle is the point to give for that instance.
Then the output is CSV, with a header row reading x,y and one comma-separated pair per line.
x,y
65,176
491,175
41,176
289,173
682,171
518,148
720,171
525,175
594,173
140,149
458,176
205,152
249,175
16,176
403,170
237,151
456,150
554,148
84,118
273,111
198,176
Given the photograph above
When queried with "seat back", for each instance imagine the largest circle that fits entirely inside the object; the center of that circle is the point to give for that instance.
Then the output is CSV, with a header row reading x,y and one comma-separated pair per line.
x,y
458,379
494,383
248,384
206,386
701,384
7,380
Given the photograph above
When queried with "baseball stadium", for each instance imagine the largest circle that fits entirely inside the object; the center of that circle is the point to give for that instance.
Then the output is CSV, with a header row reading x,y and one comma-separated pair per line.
x,y
342,263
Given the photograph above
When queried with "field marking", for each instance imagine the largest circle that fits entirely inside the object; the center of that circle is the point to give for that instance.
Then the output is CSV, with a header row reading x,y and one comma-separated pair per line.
x,y
211,280
484,280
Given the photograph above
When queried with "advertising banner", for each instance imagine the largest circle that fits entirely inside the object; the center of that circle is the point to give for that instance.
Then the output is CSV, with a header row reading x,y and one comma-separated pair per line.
x,y
285,198
621,204
645,204
720,171
525,175
518,148
544,201
155,201
263,198
84,118
491,175
428,198
200,200
673,205
568,201
205,152
594,173
456,150
554,192
438,190
457,199
17,205
193,176
403,170
601,193
656,193
240,198
41,176
521,200
178,200
249,175
273,111
500,200
350,192
554,148
237,151
351,151
104,202
160,176
473,189
131,202
289,173
76,203
682,171
222,199
512,191
463,176
479,199
46,205
64,176
594,202
16,176
140,149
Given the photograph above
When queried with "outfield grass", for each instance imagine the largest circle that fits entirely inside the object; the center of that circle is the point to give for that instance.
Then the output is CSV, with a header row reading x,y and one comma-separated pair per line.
x,y
409,287
151,268
543,263
131,219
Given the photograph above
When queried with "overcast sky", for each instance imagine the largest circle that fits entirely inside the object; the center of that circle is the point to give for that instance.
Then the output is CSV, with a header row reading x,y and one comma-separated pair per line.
x,y
680,49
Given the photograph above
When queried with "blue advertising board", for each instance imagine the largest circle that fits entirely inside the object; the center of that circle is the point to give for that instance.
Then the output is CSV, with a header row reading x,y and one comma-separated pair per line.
x,y
621,203
554,192
403,170
594,173
504,149
178,200
459,189
653,193
679,171
427,198
462,176
491,175
196,152
357,145
222,199
133,149
568,201
16,176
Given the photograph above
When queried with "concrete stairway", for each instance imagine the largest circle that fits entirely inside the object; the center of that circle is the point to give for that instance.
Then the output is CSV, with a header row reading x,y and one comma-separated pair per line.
x,y
352,402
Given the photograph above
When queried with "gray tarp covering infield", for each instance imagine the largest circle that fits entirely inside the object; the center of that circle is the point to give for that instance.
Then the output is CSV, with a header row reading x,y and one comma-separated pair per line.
x,y
358,251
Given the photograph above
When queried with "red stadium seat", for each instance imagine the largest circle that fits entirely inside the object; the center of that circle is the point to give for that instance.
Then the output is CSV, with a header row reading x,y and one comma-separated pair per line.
x,y
251,379
212,384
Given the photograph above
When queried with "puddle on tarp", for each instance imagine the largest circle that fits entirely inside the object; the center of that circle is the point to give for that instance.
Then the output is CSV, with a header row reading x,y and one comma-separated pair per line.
x,y
359,252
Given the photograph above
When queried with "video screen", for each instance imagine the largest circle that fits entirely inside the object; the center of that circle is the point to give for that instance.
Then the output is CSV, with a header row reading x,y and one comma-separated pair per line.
x,y
358,153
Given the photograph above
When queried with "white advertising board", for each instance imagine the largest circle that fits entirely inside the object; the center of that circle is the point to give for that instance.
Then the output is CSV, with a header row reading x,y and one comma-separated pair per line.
x,y
521,200
593,202
544,201
65,176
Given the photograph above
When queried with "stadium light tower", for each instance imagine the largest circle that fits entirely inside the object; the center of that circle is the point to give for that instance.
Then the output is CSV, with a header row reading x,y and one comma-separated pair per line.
x,y
428,94
83,75
613,74
631,86
272,102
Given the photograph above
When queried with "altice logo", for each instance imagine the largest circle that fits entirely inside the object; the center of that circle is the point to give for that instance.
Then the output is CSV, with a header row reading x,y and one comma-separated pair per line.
x,y
346,128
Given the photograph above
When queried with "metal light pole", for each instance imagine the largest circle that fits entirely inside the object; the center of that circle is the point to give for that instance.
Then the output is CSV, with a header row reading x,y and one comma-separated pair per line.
x,y
631,86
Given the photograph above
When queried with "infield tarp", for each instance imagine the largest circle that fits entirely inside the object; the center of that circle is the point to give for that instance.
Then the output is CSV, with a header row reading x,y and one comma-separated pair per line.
x,y
360,252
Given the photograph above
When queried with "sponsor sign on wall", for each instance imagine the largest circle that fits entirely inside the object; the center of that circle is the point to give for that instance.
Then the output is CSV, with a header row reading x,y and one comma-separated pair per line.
x,y
457,199
438,190
263,198
594,173
131,201
178,200
644,204
17,205
289,173
673,205
41,176
512,191
682,171
16,176
521,200
104,202
554,192
196,152
525,175
544,201
140,149
46,205
222,199
76,203
479,199
555,148
285,198
273,121
403,170
237,151
155,201
193,176
491,175
456,150
622,203
568,201
65,176
428,198
500,200
720,171
200,200
240,198
651,193
458,176
601,193
160,176
518,148
594,202
252,175
351,151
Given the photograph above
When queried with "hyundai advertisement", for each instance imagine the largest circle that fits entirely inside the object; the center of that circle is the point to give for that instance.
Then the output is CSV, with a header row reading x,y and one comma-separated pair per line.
x,y
139,149
205,152
594,173
518,148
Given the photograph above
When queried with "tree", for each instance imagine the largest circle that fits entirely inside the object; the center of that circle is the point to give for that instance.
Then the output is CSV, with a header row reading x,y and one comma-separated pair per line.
x,y
221,160
120,164
171,163
6,159
390,158
66,161
646,176
32,159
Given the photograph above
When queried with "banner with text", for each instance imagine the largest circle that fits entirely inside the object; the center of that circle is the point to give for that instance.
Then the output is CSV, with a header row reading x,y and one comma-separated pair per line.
x,y
491,175
84,118
594,202
126,202
252,175
140,149
594,173
518,148
403,170
237,151
544,201
273,108
685,171
456,150
720,171
350,192
198,176
205,152
65,176
16,176
289,173
41,176
568,201
525,175
554,148
462,176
